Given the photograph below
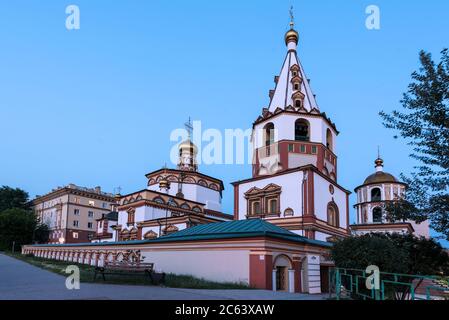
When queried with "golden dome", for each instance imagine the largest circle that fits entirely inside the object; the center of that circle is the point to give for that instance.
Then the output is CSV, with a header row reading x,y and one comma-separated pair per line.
x,y
188,145
291,35
380,177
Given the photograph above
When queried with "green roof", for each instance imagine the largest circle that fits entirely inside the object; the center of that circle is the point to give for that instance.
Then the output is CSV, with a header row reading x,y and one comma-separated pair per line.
x,y
221,230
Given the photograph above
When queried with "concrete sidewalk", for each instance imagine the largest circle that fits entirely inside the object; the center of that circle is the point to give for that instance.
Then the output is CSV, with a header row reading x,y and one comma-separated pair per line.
x,y
22,281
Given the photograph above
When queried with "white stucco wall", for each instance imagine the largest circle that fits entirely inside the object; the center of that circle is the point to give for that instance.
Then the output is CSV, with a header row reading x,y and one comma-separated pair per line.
x,y
323,197
213,265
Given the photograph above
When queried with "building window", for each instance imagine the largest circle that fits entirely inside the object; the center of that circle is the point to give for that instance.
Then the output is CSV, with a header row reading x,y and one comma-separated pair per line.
x,y
290,147
301,130
131,216
296,86
272,205
255,208
377,215
76,212
263,201
303,149
76,200
76,223
298,103
313,149
329,140
90,214
332,215
269,134
105,205
90,225
91,203
376,194
75,235
289,212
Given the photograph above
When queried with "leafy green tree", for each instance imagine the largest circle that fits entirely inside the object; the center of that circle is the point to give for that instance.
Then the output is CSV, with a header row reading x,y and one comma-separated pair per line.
x,y
424,123
393,253
41,233
20,226
13,198
370,249
16,225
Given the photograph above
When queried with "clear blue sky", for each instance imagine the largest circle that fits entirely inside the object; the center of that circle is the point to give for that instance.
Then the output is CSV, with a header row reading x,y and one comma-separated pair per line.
x,y
96,106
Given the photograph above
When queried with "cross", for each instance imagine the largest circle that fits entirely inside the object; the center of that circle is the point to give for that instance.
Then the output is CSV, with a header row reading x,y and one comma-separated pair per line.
x,y
189,127
119,189
378,152
292,17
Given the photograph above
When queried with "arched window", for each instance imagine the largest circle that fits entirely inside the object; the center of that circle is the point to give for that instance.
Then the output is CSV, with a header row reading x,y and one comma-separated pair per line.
x,y
298,103
329,141
332,215
376,194
269,134
301,130
377,215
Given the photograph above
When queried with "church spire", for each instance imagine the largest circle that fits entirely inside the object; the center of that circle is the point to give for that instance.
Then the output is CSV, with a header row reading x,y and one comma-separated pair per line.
x,y
292,86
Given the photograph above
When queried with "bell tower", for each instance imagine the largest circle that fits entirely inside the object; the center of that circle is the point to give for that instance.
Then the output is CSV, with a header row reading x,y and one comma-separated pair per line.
x,y
292,131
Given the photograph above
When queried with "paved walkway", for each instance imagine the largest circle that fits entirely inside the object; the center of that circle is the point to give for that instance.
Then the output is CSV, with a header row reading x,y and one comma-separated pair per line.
x,y
20,280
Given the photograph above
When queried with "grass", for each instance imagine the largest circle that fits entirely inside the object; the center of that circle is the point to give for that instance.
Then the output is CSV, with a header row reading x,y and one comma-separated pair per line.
x,y
87,275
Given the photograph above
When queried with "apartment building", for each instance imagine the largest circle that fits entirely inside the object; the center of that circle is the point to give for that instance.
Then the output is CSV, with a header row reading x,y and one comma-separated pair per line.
x,y
71,212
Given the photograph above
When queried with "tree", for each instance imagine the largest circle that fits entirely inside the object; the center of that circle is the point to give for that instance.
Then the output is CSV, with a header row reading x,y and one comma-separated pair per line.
x,y
41,233
424,123
393,253
371,249
13,198
20,226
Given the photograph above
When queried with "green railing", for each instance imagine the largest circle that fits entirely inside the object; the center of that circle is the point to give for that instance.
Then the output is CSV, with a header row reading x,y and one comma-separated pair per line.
x,y
351,284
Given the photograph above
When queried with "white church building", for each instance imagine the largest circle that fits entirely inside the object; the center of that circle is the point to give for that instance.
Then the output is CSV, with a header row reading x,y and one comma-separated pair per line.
x,y
286,214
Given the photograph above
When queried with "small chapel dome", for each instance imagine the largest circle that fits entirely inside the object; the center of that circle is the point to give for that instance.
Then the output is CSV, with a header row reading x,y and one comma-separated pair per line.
x,y
380,176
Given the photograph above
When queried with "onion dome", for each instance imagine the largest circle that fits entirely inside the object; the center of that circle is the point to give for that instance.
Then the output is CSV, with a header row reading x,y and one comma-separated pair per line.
x,y
291,36
188,145
380,176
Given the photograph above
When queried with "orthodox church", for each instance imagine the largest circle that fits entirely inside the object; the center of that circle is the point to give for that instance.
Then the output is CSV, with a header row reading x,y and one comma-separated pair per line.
x,y
285,215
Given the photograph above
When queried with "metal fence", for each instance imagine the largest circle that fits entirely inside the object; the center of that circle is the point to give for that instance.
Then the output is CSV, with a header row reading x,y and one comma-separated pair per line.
x,y
352,284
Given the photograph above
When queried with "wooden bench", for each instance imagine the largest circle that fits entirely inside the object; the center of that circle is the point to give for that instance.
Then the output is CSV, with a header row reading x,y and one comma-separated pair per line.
x,y
129,268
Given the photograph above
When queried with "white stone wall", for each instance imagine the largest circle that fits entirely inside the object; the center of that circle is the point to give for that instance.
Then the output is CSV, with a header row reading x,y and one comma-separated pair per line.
x,y
213,265
323,196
